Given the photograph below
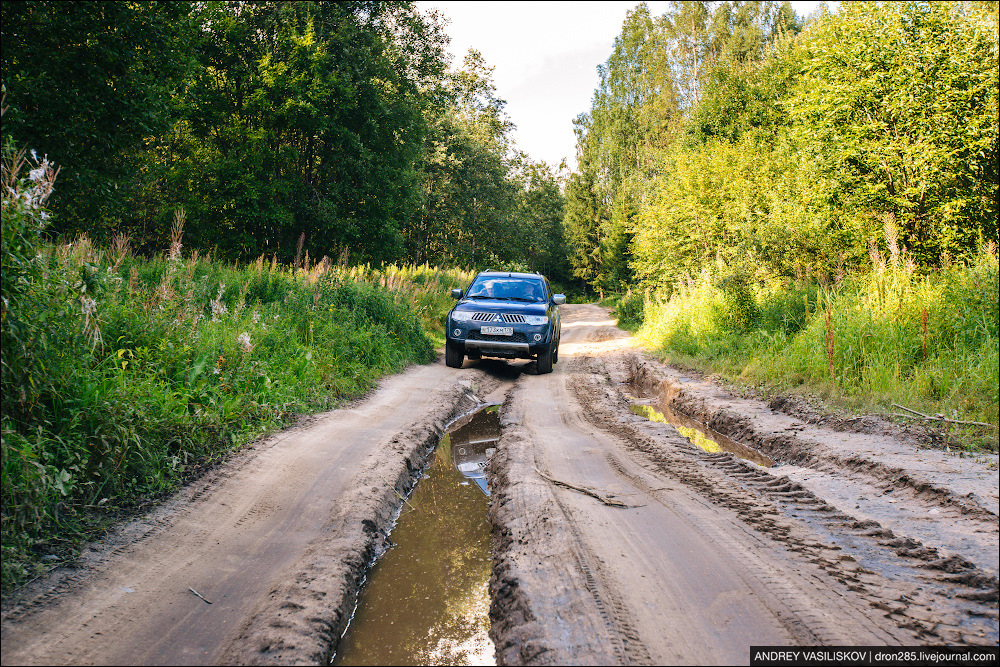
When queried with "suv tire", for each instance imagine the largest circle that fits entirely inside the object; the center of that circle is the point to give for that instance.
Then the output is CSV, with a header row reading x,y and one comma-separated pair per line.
x,y
545,361
453,356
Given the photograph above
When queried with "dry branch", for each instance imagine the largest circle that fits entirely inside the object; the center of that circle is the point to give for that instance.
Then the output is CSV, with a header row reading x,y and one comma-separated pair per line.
x,y
938,417
593,494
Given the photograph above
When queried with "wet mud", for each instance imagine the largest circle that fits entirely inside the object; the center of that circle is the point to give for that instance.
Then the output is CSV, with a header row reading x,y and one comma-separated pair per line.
x,y
704,437
426,600
811,543
316,502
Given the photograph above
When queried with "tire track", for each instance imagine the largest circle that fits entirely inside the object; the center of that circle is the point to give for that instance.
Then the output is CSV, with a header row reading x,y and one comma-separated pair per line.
x,y
789,513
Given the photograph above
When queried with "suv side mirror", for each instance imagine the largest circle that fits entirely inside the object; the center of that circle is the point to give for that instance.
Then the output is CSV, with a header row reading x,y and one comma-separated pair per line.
x,y
559,299
456,293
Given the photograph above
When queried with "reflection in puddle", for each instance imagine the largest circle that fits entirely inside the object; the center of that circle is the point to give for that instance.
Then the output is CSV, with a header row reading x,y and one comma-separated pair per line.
x,y
426,601
473,443
699,434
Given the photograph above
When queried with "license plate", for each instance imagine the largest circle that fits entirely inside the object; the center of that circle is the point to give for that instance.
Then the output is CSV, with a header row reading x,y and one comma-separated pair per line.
x,y
498,331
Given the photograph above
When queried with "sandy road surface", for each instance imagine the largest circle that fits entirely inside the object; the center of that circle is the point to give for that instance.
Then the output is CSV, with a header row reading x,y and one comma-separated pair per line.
x,y
709,554
237,538
615,540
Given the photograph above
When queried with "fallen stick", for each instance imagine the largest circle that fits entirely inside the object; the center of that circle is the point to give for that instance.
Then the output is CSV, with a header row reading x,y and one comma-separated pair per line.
x,y
938,417
903,407
593,494
404,500
199,595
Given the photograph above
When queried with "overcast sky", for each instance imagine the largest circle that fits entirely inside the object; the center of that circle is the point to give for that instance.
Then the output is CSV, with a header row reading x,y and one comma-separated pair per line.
x,y
545,57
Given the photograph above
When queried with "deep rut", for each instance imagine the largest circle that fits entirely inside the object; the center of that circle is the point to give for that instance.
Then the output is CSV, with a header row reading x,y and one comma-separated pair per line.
x,y
699,539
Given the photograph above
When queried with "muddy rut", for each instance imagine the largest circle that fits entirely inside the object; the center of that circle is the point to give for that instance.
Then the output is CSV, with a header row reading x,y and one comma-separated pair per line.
x,y
615,540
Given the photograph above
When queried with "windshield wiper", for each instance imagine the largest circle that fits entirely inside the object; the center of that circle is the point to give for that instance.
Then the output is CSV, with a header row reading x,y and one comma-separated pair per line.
x,y
524,298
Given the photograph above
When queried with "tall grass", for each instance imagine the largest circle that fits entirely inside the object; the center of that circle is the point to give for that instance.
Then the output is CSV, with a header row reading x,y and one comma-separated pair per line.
x,y
890,335
123,375
426,288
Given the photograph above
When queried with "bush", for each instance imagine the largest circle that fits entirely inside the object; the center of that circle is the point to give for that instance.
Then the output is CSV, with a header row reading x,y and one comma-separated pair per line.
x,y
123,375
630,309
928,342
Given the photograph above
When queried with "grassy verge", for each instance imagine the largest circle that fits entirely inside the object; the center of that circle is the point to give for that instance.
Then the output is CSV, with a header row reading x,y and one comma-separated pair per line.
x,y
123,376
889,336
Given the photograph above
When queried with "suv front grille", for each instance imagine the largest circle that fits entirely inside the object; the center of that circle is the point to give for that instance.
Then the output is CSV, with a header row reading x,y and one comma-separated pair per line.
x,y
518,337
509,318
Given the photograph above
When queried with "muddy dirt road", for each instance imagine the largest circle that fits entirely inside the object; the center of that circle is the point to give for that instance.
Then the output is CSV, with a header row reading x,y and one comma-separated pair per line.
x,y
615,539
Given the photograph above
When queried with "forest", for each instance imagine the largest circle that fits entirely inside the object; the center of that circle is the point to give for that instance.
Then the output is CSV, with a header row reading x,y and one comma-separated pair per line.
x,y
334,129
741,133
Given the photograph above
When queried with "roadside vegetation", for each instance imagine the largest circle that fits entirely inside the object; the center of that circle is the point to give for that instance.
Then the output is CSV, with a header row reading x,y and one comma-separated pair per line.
x,y
889,336
803,202
123,375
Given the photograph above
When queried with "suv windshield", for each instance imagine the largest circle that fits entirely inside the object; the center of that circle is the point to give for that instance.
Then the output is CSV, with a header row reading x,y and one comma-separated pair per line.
x,y
509,289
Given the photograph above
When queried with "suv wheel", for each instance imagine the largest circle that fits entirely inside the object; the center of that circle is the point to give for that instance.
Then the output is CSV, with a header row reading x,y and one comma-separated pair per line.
x,y
545,361
453,356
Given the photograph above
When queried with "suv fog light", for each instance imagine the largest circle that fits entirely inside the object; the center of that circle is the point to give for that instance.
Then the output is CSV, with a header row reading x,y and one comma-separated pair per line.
x,y
538,337
457,332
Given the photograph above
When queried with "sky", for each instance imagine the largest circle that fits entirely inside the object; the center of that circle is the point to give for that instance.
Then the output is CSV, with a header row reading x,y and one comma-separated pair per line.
x,y
545,57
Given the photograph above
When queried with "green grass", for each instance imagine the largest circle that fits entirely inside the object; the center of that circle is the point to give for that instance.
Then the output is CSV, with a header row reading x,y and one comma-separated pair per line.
x,y
927,342
124,376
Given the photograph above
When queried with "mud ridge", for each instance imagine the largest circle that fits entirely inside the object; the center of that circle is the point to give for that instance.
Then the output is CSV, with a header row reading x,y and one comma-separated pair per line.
x,y
788,448
302,621
763,505
544,608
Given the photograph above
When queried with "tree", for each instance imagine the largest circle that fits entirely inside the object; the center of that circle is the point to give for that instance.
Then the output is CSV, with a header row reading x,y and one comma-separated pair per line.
x,y
89,82
540,211
303,118
468,203
899,102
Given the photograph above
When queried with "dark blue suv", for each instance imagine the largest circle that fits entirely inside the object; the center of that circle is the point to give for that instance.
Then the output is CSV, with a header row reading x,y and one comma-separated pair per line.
x,y
507,315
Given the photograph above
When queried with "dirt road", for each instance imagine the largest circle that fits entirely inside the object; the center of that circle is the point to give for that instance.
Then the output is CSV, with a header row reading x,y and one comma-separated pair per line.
x,y
615,539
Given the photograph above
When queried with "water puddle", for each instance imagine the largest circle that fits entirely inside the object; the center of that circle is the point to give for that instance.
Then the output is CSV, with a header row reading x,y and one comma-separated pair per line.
x,y
426,601
699,434
473,443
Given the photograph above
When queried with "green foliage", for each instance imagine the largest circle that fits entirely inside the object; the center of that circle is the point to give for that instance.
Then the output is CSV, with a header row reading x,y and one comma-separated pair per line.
x,y
483,203
789,145
300,118
287,128
929,342
899,102
630,309
122,376
90,82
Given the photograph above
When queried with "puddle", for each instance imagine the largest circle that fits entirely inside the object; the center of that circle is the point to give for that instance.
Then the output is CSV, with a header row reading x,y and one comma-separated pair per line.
x,y
699,434
426,601
473,443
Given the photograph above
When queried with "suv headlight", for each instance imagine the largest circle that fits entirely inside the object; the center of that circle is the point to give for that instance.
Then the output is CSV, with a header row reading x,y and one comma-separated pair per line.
x,y
536,319
461,316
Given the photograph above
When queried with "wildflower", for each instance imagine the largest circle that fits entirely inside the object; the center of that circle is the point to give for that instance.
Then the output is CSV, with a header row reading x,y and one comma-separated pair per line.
x,y
218,308
88,305
256,316
244,341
